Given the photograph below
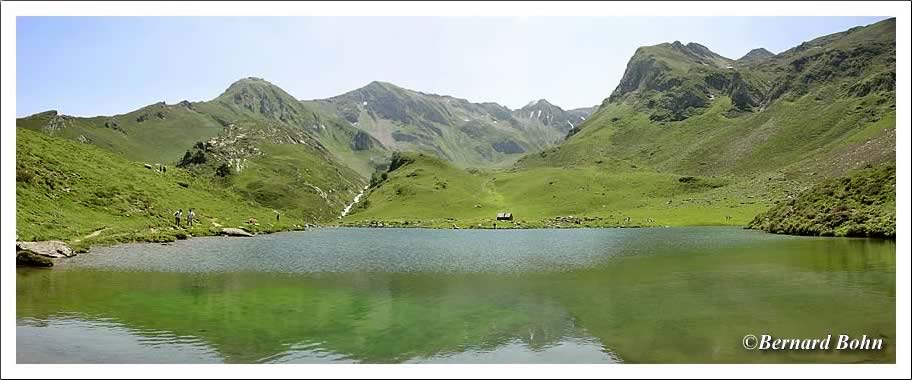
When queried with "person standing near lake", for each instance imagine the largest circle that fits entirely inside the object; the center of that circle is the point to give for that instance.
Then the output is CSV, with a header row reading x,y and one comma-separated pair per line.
x,y
177,216
191,217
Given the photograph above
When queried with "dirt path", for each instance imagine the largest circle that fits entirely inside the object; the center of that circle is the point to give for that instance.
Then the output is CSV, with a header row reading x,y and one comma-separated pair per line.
x,y
91,235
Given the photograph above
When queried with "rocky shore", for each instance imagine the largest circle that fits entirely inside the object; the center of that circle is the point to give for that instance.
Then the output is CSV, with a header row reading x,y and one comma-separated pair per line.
x,y
43,254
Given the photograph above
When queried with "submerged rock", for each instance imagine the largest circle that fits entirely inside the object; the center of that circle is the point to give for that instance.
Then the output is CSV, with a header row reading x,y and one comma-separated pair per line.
x,y
54,249
236,232
31,259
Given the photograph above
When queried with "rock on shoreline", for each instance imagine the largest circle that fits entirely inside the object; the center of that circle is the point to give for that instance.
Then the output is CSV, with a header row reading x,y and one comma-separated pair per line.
x,y
54,249
40,253
235,232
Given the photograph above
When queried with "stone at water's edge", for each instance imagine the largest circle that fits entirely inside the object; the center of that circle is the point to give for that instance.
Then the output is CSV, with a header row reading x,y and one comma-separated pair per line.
x,y
236,232
54,249
31,259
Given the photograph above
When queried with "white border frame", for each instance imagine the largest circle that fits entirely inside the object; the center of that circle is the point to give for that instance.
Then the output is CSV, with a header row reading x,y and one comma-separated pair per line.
x,y
900,10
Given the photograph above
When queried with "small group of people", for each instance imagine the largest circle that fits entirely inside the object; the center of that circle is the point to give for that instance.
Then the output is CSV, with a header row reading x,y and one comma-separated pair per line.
x,y
191,217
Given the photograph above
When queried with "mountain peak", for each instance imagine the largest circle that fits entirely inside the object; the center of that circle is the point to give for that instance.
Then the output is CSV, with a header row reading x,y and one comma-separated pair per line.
x,y
259,96
250,83
377,87
538,104
377,83
676,51
756,55
253,79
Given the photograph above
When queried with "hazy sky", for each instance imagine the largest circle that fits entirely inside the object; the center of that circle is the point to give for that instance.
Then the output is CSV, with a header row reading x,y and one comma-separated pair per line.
x,y
87,66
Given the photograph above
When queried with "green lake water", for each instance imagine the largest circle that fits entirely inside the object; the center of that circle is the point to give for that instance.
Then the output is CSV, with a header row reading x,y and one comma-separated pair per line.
x,y
347,295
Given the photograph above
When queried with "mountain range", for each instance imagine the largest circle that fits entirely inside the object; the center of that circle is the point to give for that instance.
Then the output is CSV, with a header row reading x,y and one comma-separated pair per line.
x,y
459,131
687,137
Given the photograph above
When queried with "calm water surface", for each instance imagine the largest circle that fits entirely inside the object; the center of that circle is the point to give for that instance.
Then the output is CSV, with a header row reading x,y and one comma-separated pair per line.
x,y
459,296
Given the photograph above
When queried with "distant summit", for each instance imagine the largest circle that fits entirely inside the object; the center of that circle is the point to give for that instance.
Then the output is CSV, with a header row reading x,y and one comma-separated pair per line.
x,y
756,55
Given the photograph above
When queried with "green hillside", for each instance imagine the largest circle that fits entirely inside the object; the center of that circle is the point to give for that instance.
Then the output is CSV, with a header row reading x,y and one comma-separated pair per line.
x,y
815,111
277,152
158,133
750,132
862,203
85,195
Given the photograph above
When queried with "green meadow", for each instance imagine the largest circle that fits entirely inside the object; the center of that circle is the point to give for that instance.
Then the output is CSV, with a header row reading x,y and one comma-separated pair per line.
x,y
431,193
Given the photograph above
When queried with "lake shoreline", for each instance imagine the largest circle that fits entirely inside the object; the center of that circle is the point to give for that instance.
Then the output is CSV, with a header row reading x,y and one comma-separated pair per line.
x,y
79,246
83,246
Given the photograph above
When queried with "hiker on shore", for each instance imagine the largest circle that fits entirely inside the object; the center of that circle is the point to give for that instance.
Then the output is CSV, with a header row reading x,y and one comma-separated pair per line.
x,y
191,217
177,216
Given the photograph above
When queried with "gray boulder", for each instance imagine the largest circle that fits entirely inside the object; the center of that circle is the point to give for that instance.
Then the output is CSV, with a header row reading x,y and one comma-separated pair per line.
x,y
235,232
54,249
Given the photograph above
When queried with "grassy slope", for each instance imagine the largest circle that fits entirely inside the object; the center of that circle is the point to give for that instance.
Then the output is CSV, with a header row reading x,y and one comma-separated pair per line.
x,y
154,140
67,190
298,181
712,143
430,192
862,203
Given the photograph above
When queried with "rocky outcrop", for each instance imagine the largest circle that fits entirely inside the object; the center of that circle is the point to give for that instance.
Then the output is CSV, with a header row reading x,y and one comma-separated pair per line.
x,y
112,124
743,95
675,81
236,232
362,141
54,249
806,68
642,73
508,147
56,122
880,82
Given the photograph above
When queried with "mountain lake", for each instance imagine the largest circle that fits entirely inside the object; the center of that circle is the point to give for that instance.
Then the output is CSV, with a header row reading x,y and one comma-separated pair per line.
x,y
359,295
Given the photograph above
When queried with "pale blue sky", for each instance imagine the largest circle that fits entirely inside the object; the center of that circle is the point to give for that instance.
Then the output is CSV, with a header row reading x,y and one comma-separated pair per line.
x,y
87,66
